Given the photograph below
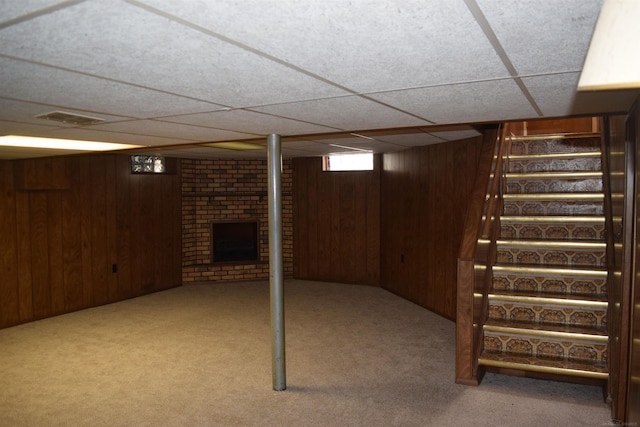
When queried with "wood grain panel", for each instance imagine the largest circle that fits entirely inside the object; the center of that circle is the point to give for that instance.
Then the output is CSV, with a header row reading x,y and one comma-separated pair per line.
x,y
72,241
99,259
632,397
59,245
425,192
40,266
42,174
123,226
111,230
55,242
547,126
336,217
25,281
9,308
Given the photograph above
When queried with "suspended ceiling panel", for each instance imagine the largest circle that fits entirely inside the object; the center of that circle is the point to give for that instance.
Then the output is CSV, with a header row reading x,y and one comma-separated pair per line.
x,y
163,72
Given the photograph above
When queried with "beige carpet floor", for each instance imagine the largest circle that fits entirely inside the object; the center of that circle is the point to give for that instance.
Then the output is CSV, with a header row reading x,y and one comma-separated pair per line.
x,y
200,356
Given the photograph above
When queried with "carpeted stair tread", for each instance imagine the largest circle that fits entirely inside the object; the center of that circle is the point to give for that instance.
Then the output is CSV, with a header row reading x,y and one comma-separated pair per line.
x,y
551,254
553,182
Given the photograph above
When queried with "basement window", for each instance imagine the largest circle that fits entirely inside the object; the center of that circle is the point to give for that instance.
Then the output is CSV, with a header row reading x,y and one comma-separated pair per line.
x,y
348,162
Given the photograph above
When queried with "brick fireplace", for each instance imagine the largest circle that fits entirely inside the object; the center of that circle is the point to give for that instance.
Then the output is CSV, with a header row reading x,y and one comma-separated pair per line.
x,y
230,191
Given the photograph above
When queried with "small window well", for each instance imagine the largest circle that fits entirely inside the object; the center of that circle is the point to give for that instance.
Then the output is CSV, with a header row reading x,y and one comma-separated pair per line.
x,y
348,162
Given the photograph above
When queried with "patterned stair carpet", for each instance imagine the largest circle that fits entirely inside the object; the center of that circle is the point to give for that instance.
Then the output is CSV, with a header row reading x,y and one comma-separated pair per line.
x,y
547,307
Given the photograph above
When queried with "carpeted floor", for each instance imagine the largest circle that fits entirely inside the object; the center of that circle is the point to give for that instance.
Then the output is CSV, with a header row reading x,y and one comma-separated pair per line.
x,y
200,356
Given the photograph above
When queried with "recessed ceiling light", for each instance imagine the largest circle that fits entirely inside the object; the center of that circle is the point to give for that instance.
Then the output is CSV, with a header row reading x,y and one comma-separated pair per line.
x,y
238,146
61,144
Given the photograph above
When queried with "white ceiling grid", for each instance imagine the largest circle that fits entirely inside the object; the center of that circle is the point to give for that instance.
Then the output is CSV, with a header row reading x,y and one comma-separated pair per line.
x,y
166,72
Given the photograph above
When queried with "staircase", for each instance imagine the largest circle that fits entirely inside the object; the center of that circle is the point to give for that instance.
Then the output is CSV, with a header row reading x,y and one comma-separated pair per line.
x,y
547,305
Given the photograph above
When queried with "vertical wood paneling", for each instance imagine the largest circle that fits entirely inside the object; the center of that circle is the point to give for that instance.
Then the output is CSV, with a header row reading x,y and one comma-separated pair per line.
x,y
299,209
123,226
633,391
56,258
99,258
136,242
336,217
86,228
324,209
25,281
111,231
9,308
72,240
424,199
39,253
147,262
371,214
61,235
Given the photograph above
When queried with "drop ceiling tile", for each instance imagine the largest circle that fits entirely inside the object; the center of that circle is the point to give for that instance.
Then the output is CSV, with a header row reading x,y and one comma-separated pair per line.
x,y
543,37
553,93
171,130
346,113
311,147
407,139
455,135
15,9
496,100
66,90
341,140
126,43
26,112
368,45
30,129
250,122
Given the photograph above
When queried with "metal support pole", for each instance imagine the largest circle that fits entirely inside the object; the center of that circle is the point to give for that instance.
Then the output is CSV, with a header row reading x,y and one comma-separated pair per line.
x,y
274,163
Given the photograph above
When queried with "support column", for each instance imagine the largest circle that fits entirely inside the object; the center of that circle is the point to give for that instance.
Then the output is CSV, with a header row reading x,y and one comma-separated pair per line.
x,y
276,278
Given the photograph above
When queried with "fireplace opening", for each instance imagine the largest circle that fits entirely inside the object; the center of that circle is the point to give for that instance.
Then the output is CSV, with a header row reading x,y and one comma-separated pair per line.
x,y
234,241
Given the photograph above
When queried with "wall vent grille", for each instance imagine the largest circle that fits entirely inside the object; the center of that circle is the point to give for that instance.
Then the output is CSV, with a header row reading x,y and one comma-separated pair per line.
x,y
70,118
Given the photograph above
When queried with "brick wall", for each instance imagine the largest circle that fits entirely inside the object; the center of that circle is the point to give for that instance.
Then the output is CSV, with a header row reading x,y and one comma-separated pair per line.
x,y
214,190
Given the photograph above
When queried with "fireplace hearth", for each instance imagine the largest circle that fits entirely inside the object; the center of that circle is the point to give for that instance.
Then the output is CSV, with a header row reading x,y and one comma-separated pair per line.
x,y
234,241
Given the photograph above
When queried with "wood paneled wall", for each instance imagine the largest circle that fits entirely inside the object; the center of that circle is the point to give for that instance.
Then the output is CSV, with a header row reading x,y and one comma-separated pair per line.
x,y
425,193
82,231
336,223
632,400
617,173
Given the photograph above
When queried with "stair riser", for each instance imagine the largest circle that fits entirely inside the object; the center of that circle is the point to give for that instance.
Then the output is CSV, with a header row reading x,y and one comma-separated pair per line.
x,y
563,145
548,315
569,286
527,346
567,231
548,208
554,165
551,257
523,186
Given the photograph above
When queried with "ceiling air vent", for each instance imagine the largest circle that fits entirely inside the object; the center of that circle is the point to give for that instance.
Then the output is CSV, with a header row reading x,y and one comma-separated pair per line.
x,y
69,118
